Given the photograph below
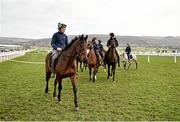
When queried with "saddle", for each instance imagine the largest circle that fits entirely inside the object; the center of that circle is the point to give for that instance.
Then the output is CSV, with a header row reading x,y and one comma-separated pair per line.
x,y
51,56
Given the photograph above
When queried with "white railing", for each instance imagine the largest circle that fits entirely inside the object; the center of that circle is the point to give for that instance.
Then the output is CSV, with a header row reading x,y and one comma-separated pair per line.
x,y
10,55
148,54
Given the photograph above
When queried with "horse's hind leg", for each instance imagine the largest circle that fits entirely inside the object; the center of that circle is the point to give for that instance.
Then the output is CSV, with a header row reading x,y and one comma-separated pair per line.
x,y
55,83
48,76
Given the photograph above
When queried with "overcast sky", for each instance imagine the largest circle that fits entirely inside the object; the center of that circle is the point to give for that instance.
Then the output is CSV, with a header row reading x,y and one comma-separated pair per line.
x,y
39,18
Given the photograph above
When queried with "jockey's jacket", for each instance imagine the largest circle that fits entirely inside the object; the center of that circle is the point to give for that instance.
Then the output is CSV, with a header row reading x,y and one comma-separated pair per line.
x,y
59,40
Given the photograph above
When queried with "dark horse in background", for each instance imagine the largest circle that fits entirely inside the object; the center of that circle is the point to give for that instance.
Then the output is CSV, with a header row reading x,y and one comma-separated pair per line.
x,y
92,61
82,62
66,67
111,60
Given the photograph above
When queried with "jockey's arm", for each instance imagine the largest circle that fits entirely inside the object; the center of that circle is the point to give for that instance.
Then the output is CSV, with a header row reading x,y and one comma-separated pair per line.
x,y
117,43
53,42
108,45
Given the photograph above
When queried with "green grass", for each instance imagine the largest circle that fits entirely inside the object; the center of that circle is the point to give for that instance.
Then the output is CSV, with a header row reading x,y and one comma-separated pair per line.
x,y
150,93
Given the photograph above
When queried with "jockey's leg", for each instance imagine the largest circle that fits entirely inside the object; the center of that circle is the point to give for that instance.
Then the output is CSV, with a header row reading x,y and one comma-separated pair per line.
x,y
54,57
128,54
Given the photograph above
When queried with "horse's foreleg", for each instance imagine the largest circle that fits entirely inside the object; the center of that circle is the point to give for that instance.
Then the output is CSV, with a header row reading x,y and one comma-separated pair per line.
x,y
108,71
90,70
129,64
48,76
111,70
76,66
114,69
59,88
94,74
55,83
124,64
73,80
81,66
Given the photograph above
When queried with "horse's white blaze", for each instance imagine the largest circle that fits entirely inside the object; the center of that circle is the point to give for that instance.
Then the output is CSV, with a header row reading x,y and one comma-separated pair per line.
x,y
87,50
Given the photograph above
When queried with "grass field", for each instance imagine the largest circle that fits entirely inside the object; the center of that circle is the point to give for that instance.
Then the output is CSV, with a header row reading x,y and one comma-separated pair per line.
x,y
150,93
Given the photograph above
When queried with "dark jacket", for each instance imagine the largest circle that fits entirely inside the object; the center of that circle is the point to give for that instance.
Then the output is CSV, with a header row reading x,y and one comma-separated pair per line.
x,y
128,50
100,46
59,40
110,41
95,46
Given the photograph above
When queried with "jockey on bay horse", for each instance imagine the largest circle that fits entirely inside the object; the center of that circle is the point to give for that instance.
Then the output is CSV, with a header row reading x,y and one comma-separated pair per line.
x,y
59,41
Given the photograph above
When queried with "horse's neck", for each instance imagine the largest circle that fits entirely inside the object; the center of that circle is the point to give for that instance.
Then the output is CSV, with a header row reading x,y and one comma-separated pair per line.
x,y
70,53
112,52
91,52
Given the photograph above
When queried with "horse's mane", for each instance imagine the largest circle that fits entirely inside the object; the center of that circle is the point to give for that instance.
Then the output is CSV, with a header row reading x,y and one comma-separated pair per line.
x,y
69,45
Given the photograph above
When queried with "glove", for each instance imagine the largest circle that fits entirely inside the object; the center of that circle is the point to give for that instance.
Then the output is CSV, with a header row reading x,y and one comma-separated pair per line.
x,y
59,49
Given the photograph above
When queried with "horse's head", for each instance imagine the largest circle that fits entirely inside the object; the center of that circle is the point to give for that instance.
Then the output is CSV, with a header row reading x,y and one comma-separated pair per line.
x,y
90,45
82,46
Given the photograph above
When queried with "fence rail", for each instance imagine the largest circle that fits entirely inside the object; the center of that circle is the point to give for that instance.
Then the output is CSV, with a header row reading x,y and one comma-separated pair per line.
x,y
10,55
174,55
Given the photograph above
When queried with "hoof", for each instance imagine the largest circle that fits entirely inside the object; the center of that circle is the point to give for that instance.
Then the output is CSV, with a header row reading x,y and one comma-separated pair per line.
x,y
46,91
114,81
95,77
76,109
56,98
104,70
60,102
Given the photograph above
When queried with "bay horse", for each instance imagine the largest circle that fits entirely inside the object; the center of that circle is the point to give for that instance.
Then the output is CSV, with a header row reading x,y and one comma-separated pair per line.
x,y
66,67
82,62
133,58
92,61
102,61
111,60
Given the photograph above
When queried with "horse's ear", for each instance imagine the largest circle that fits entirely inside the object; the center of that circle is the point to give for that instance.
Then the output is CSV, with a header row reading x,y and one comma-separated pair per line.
x,y
86,37
81,37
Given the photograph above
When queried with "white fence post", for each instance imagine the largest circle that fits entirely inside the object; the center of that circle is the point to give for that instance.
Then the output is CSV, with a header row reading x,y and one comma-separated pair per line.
x,y
175,58
148,59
